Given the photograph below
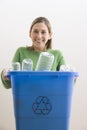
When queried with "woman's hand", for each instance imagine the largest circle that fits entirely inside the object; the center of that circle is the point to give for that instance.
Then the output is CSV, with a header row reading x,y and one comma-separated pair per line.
x,y
4,74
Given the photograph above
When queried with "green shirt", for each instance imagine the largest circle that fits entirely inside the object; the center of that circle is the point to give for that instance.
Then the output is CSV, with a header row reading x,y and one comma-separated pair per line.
x,y
26,52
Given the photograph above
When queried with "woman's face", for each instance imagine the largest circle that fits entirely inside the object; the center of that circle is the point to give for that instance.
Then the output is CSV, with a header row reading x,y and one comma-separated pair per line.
x,y
40,35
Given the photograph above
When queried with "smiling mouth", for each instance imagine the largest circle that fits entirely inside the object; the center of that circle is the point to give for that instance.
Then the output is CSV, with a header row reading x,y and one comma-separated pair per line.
x,y
39,42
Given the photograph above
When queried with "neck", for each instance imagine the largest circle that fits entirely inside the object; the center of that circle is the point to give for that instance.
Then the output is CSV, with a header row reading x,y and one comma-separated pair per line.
x,y
39,49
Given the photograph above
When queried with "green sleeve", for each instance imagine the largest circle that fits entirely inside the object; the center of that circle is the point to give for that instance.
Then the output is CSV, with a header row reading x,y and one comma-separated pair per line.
x,y
16,57
61,60
5,82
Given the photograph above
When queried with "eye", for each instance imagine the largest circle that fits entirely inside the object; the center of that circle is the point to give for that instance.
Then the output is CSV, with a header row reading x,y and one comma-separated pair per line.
x,y
43,32
35,31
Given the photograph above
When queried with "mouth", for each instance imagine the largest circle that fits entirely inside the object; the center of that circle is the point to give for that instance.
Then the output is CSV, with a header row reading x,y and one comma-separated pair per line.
x,y
39,42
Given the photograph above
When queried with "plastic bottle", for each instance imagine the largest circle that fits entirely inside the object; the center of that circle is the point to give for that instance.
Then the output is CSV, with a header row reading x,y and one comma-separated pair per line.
x,y
45,62
27,64
15,66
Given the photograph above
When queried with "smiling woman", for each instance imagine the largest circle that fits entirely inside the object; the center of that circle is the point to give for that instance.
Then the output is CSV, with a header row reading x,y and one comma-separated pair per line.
x,y
40,31
41,36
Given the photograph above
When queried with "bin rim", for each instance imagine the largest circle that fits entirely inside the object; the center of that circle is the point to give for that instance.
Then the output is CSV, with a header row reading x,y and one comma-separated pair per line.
x,y
43,73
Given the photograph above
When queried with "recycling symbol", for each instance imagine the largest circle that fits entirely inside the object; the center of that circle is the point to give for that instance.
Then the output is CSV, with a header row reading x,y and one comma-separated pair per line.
x,y
42,105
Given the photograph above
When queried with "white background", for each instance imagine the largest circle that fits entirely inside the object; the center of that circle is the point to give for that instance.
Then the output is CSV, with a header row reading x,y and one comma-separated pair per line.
x,y
69,24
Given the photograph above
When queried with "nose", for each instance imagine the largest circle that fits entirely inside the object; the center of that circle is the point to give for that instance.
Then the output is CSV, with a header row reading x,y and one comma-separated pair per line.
x,y
39,35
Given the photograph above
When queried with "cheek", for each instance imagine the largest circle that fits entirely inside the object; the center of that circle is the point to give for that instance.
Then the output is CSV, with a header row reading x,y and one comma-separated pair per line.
x,y
31,34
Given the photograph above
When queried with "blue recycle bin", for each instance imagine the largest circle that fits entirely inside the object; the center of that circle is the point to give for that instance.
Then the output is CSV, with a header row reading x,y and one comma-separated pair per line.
x,y
42,100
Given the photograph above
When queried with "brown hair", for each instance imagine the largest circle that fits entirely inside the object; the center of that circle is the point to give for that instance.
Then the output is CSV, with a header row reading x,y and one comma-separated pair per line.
x,y
47,23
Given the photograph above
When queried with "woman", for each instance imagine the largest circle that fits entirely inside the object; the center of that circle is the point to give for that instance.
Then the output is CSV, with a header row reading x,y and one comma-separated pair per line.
x,y
41,36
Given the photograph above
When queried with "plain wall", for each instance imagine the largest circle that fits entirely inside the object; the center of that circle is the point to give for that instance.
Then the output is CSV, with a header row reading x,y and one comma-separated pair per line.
x,y
69,24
